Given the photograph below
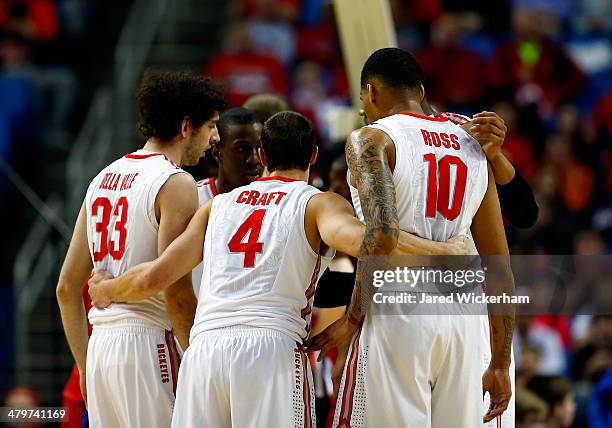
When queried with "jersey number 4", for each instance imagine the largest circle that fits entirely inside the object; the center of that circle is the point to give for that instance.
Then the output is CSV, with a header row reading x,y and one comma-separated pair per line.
x,y
115,249
252,226
438,186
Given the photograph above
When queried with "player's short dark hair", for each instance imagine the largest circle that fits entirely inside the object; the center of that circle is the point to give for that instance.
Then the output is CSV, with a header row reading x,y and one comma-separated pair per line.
x,y
165,98
288,139
234,116
266,105
394,67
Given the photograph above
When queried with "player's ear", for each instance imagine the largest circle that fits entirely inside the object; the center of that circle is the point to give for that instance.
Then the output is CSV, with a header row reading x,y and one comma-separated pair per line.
x,y
421,93
371,92
185,127
262,157
313,156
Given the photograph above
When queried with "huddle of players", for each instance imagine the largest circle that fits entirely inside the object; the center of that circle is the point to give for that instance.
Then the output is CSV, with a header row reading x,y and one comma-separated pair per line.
x,y
263,248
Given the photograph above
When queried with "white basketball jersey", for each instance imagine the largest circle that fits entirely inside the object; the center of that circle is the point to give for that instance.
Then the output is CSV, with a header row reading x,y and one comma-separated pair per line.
x,y
440,175
122,227
259,269
206,191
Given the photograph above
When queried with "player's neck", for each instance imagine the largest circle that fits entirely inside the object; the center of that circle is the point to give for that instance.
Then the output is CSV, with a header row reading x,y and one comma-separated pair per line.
x,y
171,150
296,174
409,106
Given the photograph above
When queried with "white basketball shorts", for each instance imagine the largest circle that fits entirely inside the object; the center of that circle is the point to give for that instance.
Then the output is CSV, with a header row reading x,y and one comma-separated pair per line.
x,y
132,370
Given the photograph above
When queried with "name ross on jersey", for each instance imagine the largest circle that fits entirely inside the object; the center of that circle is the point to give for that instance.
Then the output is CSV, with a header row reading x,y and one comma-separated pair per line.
x,y
111,181
253,197
440,139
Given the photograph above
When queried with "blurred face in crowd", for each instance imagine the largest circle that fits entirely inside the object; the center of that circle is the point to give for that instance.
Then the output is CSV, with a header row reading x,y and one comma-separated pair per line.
x,y
198,140
532,420
565,411
237,155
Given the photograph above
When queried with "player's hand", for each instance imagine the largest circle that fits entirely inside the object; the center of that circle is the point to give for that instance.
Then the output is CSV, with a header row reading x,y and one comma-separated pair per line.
x,y
96,289
457,246
83,385
490,131
497,383
338,368
338,334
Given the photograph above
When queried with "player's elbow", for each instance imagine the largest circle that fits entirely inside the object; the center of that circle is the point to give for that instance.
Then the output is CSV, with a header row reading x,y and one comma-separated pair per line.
x,y
66,291
381,240
149,282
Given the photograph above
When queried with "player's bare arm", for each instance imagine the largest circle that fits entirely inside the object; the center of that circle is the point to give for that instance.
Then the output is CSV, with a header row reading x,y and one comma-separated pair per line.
x,y
148,279
334,221
74,273
368,161
490,239
177,202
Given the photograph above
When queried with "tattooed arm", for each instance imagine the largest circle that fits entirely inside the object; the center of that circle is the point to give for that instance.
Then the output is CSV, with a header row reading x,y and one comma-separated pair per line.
x,y
367,156
490,239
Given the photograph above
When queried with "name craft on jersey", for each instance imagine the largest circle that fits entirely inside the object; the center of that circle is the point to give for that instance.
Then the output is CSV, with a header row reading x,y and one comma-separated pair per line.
x,y
253,197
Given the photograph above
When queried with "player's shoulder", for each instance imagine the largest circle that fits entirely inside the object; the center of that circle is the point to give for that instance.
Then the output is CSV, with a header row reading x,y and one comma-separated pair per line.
x,y
456,118
177,185
369,135
328,201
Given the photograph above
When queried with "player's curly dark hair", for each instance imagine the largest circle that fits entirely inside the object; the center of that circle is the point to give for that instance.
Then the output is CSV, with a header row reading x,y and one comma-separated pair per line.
x,y
165,98
395,67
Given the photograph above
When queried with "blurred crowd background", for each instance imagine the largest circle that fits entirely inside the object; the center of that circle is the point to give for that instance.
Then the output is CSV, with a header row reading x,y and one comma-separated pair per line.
x,y
544,65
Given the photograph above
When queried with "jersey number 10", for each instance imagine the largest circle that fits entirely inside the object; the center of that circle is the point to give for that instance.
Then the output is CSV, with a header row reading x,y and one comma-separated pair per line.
x,y
438,186
115,249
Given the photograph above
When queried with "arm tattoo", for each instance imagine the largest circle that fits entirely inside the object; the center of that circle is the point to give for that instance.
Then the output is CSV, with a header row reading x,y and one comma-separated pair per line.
x,y
373,178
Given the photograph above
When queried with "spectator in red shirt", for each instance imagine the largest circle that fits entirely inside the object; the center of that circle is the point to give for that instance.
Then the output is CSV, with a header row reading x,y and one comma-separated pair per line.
x,y
455,75
533,69
33,19
602,116
244,71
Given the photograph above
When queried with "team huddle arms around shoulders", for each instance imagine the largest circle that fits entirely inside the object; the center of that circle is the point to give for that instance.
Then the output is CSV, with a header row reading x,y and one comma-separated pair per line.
x,y
219,277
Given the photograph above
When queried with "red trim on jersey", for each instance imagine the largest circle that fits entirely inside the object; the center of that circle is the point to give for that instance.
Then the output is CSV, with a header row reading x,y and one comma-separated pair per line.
x,y
350,381
172,357
457,119
277,177
306,392
135,156
420,116
310,291
139,157
213,189
210,181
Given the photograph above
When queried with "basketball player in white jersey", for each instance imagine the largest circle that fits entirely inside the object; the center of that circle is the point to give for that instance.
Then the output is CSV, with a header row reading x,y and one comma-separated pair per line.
x,y
427,176
133,209
264,247
236,154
